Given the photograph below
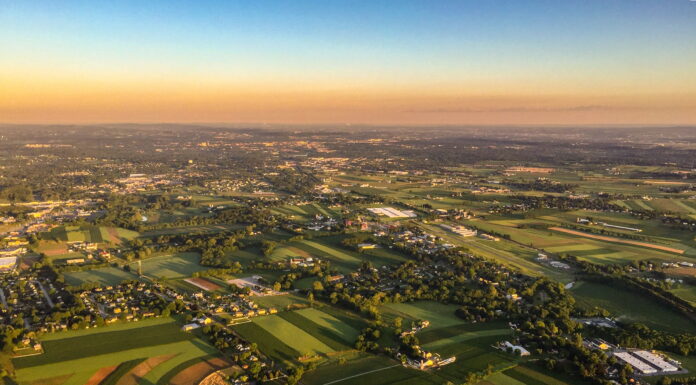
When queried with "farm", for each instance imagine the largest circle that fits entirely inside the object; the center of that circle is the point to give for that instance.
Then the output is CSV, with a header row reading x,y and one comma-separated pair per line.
x,y
631,306
72,358
329,248
289,337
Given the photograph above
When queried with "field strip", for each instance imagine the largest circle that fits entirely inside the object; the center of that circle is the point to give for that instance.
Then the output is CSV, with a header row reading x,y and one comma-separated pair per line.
x,y
617,240
361,374
465,337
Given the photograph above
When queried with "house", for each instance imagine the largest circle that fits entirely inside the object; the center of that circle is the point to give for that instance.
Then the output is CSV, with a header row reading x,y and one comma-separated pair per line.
x,y
516,348
189,327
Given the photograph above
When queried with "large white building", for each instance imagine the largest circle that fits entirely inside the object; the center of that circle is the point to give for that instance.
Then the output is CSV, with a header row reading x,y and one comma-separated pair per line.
x,y
655,360
637,364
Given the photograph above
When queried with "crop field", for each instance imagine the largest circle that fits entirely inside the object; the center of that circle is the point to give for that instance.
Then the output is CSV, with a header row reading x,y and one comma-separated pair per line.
x,y
343,259
289,335
74,357
304,213
93,234
680,206
530,375
191,229
631,306
172,266
104,276
439,315
473,354
593,250
687,292
618,240
332,331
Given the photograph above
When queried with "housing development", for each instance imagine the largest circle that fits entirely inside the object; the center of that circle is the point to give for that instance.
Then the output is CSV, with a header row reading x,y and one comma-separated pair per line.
x,y
176,254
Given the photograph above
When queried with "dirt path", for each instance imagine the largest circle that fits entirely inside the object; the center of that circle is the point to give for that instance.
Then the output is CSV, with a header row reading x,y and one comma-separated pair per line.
x,y
617,240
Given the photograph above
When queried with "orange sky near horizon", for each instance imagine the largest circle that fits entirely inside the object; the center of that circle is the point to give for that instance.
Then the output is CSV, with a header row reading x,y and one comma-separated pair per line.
x,y
360,62
83,100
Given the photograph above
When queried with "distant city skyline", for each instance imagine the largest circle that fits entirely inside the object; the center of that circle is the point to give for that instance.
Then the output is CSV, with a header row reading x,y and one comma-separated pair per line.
x,y
340,62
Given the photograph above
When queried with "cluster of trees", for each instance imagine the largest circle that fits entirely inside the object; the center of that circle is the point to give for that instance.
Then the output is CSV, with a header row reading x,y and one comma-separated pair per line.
x,y
367,340
230,343
640,336
20,192
295,182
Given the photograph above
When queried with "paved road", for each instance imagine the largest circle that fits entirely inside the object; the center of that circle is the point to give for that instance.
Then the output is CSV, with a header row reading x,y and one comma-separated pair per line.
x,y
45,293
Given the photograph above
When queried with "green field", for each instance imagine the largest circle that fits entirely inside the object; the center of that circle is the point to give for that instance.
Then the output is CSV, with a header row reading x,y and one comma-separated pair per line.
x,y
94,234
289,335
172,266
304,213
329,248
104,276
81,353
473,354
629,306
439,315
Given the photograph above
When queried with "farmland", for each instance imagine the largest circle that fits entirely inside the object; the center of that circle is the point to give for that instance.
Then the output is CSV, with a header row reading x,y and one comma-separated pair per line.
x,y
92,234
288,336
631,306
79,355
328,248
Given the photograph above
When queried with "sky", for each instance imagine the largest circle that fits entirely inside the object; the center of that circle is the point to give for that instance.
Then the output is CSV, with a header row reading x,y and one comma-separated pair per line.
x,y
349,62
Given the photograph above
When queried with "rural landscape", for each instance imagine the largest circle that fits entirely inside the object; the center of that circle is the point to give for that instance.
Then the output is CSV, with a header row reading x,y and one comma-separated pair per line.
x,y
177,254
348,192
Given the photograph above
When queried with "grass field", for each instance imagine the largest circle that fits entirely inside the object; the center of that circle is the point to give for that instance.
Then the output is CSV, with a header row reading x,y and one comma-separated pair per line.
x,y
172,266
438,314
626,305
304,213
328,248
104,276
473,354
287,336
94,234
78,355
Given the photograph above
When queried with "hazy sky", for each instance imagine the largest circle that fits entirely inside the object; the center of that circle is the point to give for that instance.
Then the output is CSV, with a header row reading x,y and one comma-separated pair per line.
x,y
334,61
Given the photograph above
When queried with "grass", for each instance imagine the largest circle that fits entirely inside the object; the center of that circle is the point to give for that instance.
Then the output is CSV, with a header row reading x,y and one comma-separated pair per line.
x,y
271,346
79,354
630,306
104,276
293,336
89,233
324,327
172,266
73,348
329,248
439,315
